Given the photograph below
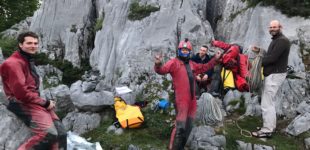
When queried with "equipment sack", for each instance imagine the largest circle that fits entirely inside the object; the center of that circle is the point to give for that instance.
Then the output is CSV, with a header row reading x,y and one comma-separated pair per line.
x,y
128,116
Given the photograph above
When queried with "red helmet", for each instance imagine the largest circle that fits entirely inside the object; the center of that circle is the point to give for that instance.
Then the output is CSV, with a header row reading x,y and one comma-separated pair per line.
x,y
185,44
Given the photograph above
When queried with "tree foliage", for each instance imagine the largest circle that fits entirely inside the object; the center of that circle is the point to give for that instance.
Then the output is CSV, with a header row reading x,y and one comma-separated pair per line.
x,y
13,11
289,7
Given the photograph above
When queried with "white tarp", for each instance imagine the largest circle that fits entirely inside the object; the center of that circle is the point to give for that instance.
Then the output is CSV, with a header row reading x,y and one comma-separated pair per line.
x,y
75,142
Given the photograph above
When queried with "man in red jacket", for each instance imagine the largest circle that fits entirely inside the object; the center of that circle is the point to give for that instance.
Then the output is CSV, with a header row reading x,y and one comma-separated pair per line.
x,y
183,71
21,86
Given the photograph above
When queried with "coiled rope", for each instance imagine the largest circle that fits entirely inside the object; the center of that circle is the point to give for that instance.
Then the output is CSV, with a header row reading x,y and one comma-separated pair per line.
x,y
255,81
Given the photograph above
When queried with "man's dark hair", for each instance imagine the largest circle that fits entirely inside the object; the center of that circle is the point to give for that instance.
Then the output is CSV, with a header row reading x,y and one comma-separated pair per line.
x,y
205,46
21,37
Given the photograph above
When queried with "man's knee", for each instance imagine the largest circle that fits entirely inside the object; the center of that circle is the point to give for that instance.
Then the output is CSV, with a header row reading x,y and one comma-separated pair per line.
x,y
61,130
52,134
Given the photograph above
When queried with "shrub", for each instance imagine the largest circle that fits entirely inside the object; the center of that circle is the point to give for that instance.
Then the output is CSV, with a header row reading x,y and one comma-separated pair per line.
x,y
138,12
70,73
8,46
98,25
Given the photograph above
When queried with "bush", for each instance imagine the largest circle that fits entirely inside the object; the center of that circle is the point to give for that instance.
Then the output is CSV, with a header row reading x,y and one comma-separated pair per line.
x,y
98,25
70,73
138,12
8,46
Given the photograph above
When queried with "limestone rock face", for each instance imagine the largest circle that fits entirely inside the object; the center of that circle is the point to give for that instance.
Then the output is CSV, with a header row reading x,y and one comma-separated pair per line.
x,y
64,28
124,49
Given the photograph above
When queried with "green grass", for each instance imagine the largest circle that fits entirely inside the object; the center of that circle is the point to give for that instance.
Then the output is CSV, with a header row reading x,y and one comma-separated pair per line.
x,y
155,133
280,140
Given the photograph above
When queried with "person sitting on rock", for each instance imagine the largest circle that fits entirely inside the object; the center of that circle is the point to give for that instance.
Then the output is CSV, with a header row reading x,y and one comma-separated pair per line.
x,y
203,79
21,87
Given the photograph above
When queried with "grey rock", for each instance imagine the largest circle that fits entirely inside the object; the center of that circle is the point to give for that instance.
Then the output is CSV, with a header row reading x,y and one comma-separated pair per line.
x,y
303,107
244,146
1,56
88,86
208,110
119,131
64,28
93,101
80,123
61,94
13,131
237,94
53,80
249,146
252,105
111,129
101,86
299,125
114,130
3,99
303,33
228,98
45,71
262,147
203,137
132,147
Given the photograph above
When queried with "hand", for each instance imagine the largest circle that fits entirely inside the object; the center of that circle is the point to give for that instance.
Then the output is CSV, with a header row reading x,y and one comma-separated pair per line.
x,y
212,42
255,48
198,77
218,55
205,77
158,59
52,105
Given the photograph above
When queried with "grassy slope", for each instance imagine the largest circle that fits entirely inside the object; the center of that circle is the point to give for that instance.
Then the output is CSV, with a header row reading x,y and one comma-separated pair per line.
x,y
280,140
155,133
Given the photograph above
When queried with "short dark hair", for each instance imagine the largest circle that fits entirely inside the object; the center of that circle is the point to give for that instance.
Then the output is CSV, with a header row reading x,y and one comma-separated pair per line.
x,y
21,37
205,46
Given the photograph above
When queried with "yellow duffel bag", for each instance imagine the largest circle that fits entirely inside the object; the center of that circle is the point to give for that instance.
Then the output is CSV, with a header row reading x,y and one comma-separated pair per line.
x,y
227,78
128,116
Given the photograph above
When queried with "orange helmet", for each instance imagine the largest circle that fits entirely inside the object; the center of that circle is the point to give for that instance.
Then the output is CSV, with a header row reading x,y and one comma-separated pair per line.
x,y
185,44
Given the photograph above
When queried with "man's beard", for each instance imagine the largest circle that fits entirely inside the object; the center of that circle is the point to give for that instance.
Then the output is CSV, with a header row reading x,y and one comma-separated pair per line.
x,y
274,32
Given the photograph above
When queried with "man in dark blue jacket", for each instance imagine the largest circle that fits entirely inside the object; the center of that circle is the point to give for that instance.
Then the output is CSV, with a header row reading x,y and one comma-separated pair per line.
x,y
203,80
